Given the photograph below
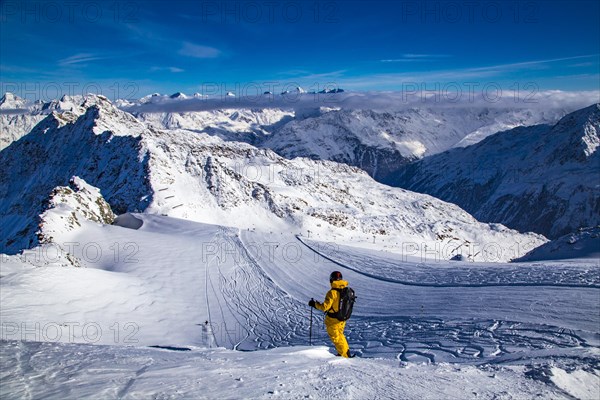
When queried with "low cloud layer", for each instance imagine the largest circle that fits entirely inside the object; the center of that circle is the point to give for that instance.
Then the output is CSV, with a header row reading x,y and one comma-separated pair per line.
x,y
384,101
379,101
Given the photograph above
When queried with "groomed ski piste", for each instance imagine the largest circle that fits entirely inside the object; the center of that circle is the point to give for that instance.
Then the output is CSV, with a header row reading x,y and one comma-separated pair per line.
x,y
169,308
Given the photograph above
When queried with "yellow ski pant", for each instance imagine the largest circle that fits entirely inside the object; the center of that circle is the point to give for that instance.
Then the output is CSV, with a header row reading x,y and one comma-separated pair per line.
x,y
335,329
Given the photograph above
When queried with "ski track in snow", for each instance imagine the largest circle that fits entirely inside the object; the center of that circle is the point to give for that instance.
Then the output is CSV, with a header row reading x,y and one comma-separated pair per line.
x,y
516,275
479,340
264,315
257,300
416,338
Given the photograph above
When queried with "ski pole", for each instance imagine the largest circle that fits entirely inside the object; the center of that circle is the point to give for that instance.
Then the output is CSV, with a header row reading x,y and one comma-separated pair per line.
x,y
310,332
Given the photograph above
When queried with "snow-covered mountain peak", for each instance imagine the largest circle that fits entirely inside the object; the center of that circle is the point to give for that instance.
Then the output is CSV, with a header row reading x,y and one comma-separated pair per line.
x,y
103,116
297,90
95,99
8,96
98,112
151,98
73,99
583,127
178,95
68,207
11,101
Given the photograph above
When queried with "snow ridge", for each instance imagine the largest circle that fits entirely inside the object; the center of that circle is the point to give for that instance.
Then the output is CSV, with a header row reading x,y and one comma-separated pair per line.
x,y
68,207
93,143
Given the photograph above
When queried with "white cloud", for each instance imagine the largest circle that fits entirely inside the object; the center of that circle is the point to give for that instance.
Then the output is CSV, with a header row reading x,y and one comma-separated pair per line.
x,y
394,60
583,64
170,69
410,57
83,58
199,51
80,58
393,79
527,64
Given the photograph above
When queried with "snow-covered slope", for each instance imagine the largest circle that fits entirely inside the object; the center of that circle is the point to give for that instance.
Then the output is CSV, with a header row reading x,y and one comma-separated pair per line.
x,y
98,143
156,284
157,278
246,125
47,370
203,178
16,119
542,178
380,142
238,185
169,276
15,126
584,243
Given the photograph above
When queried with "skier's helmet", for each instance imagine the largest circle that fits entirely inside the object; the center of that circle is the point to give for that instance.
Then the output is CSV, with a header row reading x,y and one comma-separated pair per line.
x,y
335,276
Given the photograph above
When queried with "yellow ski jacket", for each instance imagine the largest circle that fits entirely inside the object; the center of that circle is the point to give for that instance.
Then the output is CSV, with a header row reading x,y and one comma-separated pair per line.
x,y
332,300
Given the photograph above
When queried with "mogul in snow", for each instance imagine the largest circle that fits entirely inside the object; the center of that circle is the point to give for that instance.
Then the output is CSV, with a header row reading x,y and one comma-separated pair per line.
x,y
337,306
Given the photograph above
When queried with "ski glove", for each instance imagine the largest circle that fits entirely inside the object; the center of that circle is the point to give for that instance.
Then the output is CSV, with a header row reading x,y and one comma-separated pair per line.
x,y
311,303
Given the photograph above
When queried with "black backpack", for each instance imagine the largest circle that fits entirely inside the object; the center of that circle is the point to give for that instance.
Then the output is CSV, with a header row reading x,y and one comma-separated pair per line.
x,y
347,299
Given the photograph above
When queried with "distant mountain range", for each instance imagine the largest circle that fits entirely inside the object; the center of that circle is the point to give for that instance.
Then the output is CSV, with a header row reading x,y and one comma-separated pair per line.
x,y
534,177
381,142
200,177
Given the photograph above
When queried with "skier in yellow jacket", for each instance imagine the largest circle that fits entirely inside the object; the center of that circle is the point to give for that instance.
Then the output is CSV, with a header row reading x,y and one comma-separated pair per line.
x,y
335,327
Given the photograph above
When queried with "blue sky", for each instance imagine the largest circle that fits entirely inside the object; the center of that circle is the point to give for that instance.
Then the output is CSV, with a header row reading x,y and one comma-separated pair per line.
x,y
132,48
